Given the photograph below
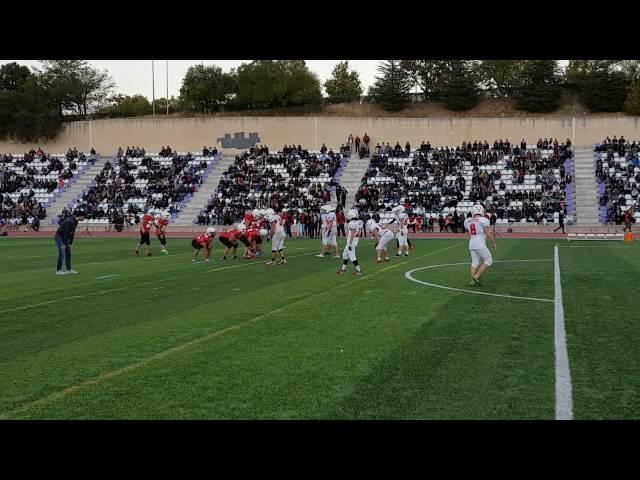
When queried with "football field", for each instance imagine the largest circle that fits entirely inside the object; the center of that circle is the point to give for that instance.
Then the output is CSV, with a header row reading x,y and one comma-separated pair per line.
x,y
162,338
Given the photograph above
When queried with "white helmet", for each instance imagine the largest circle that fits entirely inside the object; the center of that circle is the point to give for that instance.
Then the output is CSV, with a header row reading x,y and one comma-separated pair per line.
x,y
284,210
263,212
211,230
477,210
256,212
370,223
352,215
167,215
398,209
242,227
269,212
263,232
157,216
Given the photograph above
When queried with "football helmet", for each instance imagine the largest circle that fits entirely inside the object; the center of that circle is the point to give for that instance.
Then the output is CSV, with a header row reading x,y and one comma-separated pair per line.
x,y
477,210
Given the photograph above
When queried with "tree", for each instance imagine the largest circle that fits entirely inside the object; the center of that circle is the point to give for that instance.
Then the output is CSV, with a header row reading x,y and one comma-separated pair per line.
x,y
632,102
500,78
541,90
161,105
604,91
391,89
428,75
459,89
206,89
344,85
77,87
126,106
12,77
29,113
276,83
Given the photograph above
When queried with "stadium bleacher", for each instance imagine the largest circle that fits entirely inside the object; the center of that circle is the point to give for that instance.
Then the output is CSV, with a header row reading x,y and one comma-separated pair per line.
x,y
297,179
130,186
515,183
31,182
617,170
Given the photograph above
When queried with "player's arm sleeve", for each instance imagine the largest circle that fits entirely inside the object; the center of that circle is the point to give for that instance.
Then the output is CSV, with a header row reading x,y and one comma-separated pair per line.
x,y
485,222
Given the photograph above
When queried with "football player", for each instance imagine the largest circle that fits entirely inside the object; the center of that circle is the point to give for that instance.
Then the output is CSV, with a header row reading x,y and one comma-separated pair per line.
x,y
203,241
278,235
382,237
477,227
161,228
230,241
354,232
403,231
145,229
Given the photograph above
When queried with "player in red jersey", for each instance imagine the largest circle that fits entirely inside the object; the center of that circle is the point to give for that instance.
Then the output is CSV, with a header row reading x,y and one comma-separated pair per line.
x,y
249,218
230,241
254,235
145,229
161,227
203,241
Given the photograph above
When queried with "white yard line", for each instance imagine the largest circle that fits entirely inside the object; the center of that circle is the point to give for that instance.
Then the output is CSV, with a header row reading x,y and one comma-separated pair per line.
x,y
564,399
105,276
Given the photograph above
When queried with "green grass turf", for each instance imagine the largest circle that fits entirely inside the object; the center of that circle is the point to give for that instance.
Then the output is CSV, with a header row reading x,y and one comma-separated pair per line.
x,y
238,339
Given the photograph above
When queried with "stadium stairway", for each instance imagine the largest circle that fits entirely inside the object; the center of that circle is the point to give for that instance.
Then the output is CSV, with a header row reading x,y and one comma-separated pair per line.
x,y
351,177
75,189
586,197
199,200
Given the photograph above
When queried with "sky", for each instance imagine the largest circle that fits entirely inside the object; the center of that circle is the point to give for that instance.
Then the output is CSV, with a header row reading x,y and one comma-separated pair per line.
x,y
134,76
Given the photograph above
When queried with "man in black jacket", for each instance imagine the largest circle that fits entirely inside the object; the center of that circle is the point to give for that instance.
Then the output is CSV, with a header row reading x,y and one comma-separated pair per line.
x,y
64,240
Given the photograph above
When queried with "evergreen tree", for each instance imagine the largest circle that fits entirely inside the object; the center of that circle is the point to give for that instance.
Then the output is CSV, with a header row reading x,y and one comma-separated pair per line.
x,y
391,89
460,90
604,91
541,90
632,102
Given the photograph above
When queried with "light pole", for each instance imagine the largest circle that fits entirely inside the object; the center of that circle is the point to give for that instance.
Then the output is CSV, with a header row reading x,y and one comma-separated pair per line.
x,y
167,87
153,89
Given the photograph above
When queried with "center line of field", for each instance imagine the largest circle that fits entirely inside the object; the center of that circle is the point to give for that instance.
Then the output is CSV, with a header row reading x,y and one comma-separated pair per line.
x,y
409,276
564,399
178,348
105,276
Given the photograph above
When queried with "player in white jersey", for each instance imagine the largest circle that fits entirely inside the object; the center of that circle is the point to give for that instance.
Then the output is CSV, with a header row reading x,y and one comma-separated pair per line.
x,y
403,231
329,231
354,232
278,236
478,230
323,231
382,236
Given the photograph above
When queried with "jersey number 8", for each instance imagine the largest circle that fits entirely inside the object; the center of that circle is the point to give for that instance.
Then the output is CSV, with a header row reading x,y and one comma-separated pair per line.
x,y
472,229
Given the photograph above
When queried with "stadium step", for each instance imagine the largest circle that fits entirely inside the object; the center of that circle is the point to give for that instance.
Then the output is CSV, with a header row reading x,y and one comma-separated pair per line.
x,y
75,190
586,191
352,177
200,199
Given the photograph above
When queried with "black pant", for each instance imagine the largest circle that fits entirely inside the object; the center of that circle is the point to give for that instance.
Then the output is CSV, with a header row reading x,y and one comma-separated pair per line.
x,y
341,229
560,227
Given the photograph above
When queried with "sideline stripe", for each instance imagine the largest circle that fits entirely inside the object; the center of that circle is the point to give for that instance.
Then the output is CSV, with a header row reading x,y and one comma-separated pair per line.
x,y
409,276
105,276
564,399
165,353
